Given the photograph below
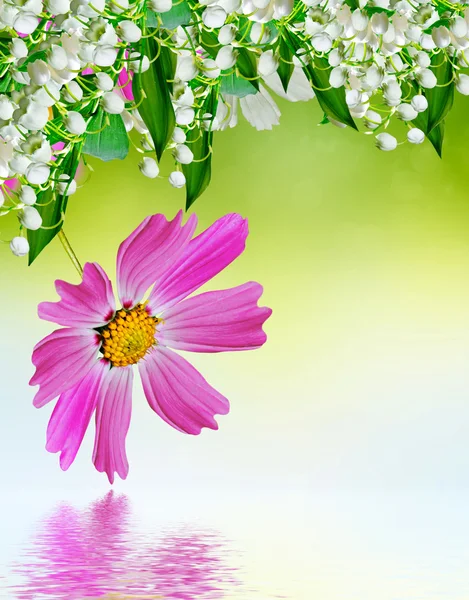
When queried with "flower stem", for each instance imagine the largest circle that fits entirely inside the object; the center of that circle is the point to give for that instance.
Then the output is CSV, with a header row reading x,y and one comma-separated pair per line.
x,y
69,250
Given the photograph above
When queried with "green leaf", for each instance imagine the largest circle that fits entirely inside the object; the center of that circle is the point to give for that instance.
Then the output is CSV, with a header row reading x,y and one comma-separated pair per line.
x,y
436,136
152,94
324,121
285,66
199,140
180,14
236,86
246,65
352,3
331,100
372,10
5,83
112,141
210,43
440,99
51,207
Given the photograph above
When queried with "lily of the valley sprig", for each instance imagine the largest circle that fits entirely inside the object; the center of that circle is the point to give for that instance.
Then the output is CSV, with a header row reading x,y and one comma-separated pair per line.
x,y
89,363
77,76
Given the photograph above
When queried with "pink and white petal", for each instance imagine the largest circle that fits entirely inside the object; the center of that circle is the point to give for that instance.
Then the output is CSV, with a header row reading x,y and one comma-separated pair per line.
x,y
147,254
61,360
221,321
204,257
88,304
178,393
72,415
112,423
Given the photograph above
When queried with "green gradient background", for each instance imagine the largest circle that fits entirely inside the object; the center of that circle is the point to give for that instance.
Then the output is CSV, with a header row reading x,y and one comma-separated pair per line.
x,y
363,384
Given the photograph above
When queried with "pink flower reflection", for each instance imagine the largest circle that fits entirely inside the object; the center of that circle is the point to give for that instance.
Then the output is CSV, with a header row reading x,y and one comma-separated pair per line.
x,y
97,552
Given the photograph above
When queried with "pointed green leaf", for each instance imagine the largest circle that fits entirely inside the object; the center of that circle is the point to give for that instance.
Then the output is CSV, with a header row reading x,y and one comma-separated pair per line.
x,y
5,82
436,136
152,94
110,140
52,206
246,66
180,14
199,140
285,65
440,98
236,86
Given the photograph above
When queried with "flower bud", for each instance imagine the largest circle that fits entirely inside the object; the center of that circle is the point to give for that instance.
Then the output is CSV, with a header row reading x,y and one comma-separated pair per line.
x,y
386,142
214,17
184,115
39,72
379,23
183,154
226,57
65,186
415,136
419,103
25,22
227,34
149,167
112,103
441,37
338,77
186,68
75,123
179,137
372,119
19,246
18,48
268,63
177,179
321,42
462,84
129,32
335,57
37,173
104,82
58,58
426,78
161,6
423,60
406,112
27,195
72,92
30,218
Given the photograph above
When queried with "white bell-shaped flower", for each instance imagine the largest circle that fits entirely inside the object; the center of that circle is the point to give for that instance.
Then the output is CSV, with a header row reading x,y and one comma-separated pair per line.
x,y
184,115
338,77
210,68
37,173
58,58
39,72
321,42
129,31
72,92
30,218
104,82
226,57
105,56
34,117
19,246
268,63
161,6
179,136
75,123
386,142
227,34
372,119
112,103
65,186
379,23
426,78
177,179
25,22
27,195
18,48
149,167
186,68
415,136
58,7
6,108
419,103
441,36
183,154
214,17
139,63
406,112
462,84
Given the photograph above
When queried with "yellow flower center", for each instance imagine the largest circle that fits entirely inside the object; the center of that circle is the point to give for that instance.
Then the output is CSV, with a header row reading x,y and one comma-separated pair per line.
x,y
129,336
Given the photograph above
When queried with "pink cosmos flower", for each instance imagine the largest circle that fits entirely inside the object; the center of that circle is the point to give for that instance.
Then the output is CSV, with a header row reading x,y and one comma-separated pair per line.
x,y
89,363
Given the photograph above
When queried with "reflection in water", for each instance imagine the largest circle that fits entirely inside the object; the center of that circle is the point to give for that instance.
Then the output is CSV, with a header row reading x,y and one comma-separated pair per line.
x,y
99,553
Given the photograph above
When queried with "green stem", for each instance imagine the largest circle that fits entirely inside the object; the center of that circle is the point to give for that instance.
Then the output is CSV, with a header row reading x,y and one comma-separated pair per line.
x,y
69,250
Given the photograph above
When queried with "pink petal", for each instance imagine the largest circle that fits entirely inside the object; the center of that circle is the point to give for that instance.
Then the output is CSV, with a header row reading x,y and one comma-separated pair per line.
x,y
148,253
112,423
204,257
218,321
72,414
88,304
178,393
62,359
124,81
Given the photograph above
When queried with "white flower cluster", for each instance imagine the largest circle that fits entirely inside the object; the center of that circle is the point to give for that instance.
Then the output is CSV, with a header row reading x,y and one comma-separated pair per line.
x,y
77,76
